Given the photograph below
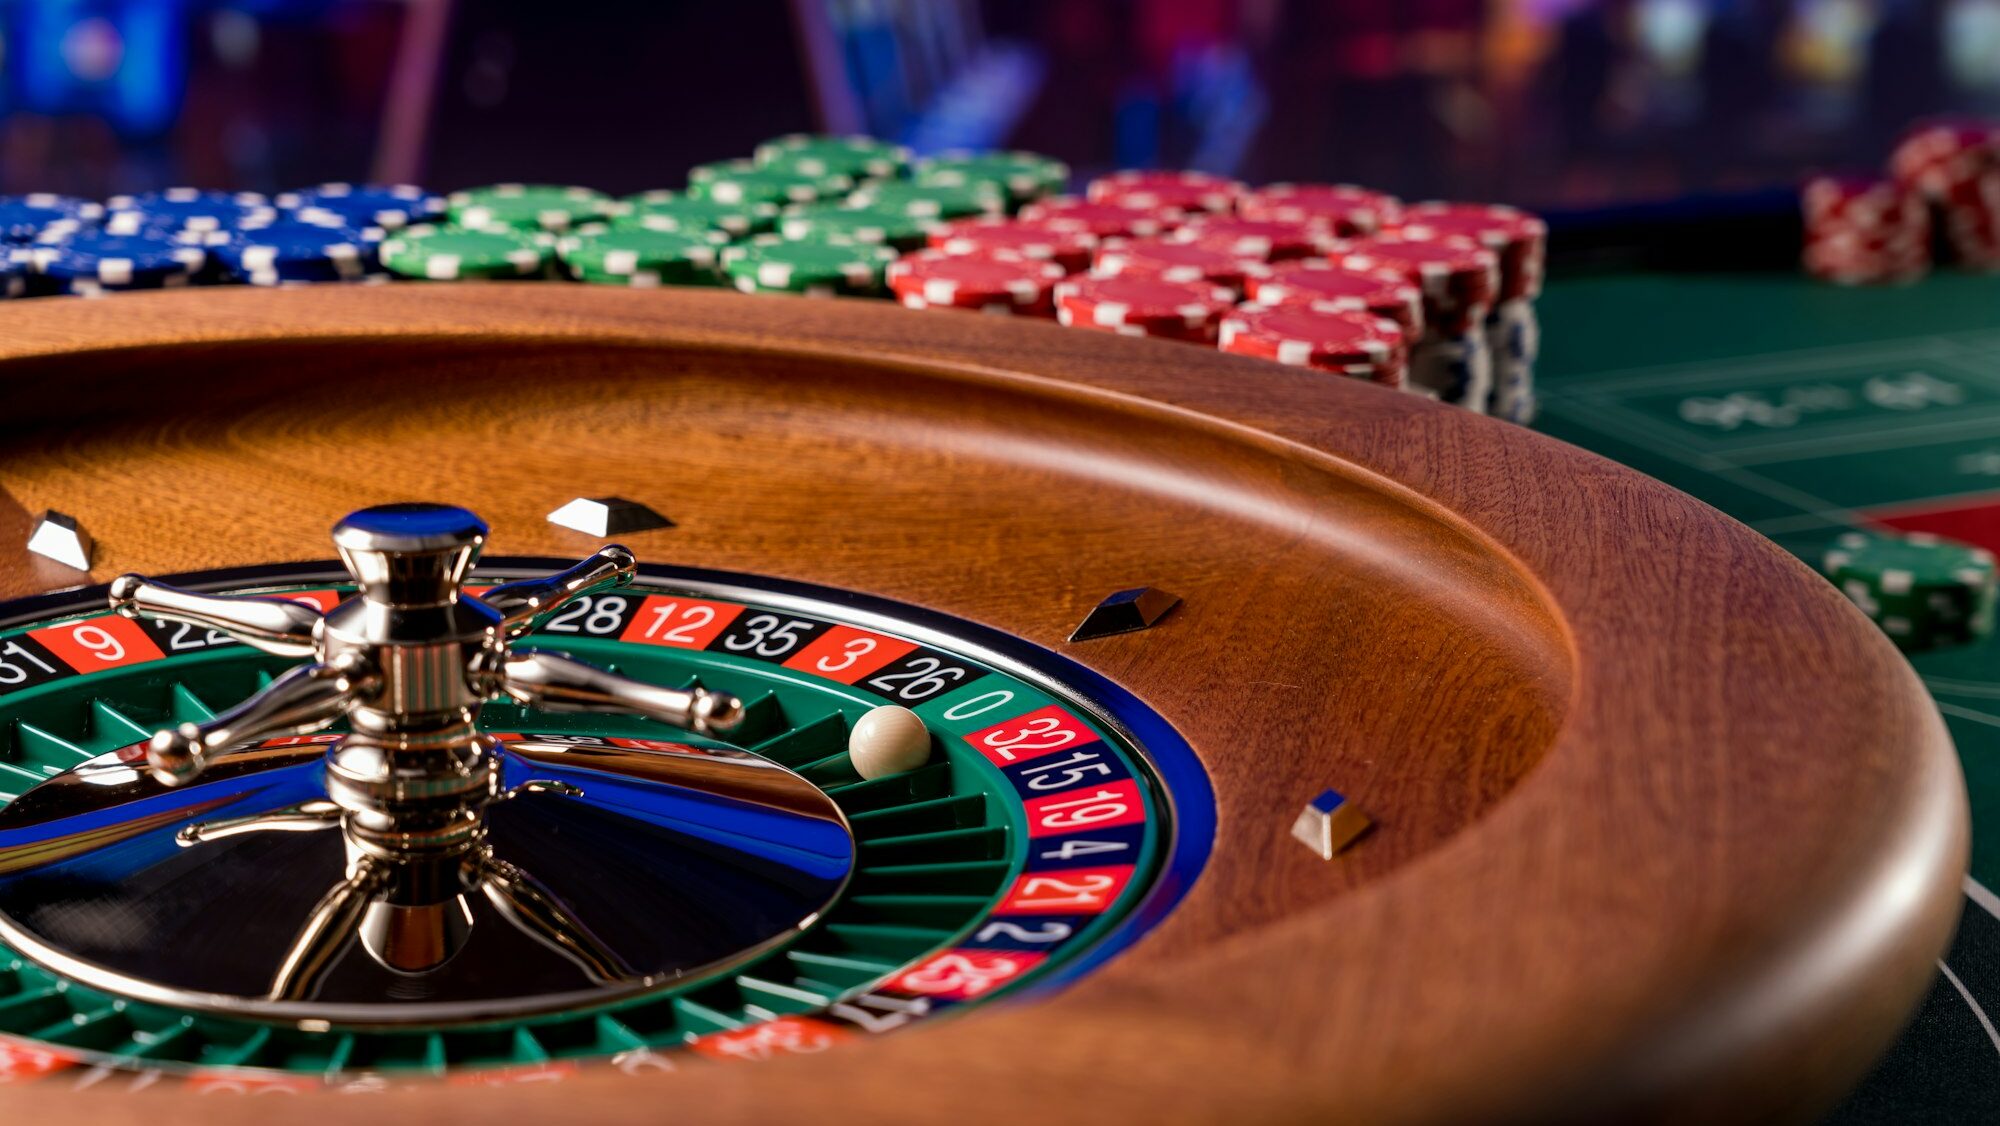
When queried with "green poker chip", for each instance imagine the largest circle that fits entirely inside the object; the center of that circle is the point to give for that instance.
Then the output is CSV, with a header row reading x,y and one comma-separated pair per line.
x,y
773,264
1024,176
828,222
526,207
812,154
677,212
639,257
743,182
936,202
1924,591
454,254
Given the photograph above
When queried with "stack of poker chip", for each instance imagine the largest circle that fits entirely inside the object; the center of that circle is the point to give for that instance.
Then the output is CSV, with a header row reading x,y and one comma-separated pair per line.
x,y
1864,230
1143,306
834,222
192,210
745,182
387,207
1071,249
1175,261
1345,209
526,207
1008,284
1513,333
93,262
295,249
1359,345
1193,193
1263,240
429,253
1460,282
38,217
1923,591
1023,176
636,256
930,202
855,159
1955,165
678,212
25,218
774,264
1101,220
1315,283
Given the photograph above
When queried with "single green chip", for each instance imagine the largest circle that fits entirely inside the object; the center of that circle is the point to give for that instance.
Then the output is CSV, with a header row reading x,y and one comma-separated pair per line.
x,y
931,201
771,263
1922,590
526,207
453,254
830,222
821,155
1023,176
636,256
742,182
675,211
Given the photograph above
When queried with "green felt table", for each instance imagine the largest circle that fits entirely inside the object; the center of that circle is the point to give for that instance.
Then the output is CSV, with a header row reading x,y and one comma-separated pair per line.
x,y
1803,410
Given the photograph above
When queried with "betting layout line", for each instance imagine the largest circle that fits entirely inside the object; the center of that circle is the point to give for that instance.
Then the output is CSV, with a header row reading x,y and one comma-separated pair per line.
x,y
1855,442
1965,994
1979,893
1962,712
1985,690
1694,373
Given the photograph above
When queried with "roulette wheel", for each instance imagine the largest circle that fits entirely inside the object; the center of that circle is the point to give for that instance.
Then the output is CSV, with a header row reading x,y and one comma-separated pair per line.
x,y
978,719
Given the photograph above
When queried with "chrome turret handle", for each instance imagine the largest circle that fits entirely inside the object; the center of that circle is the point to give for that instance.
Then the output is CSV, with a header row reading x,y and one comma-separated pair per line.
x,y
298,703
411,659
271,624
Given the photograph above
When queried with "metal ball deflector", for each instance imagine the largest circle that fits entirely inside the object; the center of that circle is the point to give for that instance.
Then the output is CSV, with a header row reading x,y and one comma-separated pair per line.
x,y
436,907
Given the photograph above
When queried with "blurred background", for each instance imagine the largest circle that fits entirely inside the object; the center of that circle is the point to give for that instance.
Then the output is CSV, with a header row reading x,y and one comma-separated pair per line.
x,y
1556,104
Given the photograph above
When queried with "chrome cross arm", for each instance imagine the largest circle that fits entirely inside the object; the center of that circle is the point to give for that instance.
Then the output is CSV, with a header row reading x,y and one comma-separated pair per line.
x,y
300,702
521,602
303,817
553,682
274,625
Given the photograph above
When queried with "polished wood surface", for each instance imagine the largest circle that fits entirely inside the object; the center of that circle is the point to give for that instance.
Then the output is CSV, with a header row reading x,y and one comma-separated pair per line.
x,y
1666,831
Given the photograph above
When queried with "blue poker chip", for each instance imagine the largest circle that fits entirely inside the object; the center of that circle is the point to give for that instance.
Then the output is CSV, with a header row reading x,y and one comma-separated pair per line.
x,y
184,209
1513,332
1455,369
94,261
388,206
26,217
292,251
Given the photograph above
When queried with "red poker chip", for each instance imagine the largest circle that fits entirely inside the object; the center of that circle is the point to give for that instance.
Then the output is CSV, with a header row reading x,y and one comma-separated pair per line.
x,y
1330,288
1937,156
1520,239
1859,199
927,279
1192,192
1071,249
1460,279
1140,306
1265,240
1346,209
1103,220
1172,261
1345,342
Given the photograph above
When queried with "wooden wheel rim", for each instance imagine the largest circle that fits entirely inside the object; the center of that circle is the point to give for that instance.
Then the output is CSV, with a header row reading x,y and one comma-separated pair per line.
x,y
1719,889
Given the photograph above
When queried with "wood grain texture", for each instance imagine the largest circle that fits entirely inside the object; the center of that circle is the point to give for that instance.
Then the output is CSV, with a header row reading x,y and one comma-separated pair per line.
x,y
1667,831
